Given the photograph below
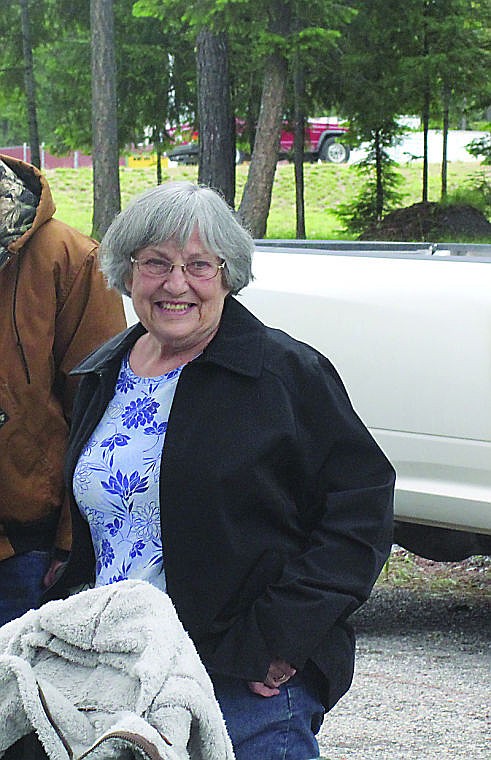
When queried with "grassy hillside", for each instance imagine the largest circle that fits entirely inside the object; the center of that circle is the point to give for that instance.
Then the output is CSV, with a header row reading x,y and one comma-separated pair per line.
x,y
326,186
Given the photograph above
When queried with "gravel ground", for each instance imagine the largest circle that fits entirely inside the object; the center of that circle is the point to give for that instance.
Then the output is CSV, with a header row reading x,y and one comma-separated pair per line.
x,y
422,683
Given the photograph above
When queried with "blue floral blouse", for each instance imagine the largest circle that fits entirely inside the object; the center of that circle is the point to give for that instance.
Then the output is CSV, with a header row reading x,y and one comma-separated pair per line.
x,y
116,480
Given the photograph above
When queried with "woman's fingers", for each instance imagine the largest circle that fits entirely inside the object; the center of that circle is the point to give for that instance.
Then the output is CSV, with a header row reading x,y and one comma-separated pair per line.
x,y
278,674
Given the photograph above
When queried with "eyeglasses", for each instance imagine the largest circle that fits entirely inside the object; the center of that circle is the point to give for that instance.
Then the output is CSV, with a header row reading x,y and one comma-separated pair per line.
x,y
201,269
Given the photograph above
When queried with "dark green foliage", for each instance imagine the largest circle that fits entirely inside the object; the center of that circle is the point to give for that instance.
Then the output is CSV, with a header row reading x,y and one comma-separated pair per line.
x,y
371,74
155,74
365,211
481,148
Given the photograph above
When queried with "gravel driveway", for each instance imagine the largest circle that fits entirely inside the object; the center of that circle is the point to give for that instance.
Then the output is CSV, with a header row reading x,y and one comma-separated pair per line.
x,y
422,686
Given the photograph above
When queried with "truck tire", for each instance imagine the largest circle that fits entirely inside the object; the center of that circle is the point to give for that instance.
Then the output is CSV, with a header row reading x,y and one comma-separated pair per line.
x,y
334,152
440,544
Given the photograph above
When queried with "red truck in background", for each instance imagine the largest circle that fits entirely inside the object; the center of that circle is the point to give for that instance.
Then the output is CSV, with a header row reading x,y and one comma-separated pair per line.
x,y
322,142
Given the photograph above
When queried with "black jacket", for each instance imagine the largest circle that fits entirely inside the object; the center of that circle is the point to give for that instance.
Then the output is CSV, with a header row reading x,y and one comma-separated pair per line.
x,y
276,502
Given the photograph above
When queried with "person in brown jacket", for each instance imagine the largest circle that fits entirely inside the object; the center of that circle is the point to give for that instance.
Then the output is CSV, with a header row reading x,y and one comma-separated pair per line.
x,y
55,309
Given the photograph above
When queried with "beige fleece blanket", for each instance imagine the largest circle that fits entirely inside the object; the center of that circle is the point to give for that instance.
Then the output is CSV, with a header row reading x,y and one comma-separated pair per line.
x,y
108,674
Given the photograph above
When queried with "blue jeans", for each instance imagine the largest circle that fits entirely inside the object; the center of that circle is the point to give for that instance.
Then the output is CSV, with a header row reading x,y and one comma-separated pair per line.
x,y
21,583
271,728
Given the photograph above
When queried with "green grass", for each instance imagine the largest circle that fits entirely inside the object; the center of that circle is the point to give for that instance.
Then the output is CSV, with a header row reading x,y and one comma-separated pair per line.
x,y
326,187
406,570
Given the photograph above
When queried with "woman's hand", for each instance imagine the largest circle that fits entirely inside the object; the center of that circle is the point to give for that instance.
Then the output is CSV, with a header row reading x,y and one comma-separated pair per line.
x,y
279,673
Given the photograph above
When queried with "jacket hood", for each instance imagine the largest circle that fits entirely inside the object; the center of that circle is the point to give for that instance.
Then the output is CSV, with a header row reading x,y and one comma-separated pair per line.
x,y
25,204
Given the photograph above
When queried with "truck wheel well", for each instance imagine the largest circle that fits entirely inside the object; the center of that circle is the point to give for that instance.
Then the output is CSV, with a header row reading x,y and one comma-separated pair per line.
x,y
440,544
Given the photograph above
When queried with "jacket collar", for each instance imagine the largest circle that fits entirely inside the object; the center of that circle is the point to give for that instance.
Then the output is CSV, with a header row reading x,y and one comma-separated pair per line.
x,y
111,351
237,346
239,342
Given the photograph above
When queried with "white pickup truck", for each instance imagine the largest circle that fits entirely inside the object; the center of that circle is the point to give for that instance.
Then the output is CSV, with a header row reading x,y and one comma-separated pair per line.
x,y
408,327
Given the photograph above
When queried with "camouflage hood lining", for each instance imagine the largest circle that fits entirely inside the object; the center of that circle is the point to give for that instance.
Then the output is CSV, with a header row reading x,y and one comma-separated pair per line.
x,y
18,206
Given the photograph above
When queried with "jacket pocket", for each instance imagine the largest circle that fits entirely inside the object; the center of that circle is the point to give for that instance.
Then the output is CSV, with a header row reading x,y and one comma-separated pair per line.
x,y
32,440
266,570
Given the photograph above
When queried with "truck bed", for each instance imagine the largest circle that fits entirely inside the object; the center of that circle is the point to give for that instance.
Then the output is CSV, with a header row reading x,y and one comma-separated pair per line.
x,y
408,326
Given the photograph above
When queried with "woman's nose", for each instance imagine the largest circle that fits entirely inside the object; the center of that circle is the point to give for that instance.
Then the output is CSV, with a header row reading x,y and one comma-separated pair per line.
x,y
176,278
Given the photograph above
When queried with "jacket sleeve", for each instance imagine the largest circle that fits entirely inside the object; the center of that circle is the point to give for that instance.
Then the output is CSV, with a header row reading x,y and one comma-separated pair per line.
x,y
351,525
88,315
347,516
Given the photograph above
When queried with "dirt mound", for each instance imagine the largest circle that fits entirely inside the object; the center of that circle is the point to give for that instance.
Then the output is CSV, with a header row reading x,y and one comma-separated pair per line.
x,y
431,222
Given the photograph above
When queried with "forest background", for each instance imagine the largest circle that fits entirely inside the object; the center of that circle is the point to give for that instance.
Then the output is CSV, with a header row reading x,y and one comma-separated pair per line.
x,y
101,75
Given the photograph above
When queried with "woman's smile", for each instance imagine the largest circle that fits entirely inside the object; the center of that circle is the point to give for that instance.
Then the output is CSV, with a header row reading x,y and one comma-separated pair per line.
x,y
174,307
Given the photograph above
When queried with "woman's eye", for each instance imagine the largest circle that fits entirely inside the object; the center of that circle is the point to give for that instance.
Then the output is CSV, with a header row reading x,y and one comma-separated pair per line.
x,y
157,262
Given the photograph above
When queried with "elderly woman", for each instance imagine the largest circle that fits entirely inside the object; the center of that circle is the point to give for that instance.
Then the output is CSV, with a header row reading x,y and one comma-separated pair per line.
x,y
221,461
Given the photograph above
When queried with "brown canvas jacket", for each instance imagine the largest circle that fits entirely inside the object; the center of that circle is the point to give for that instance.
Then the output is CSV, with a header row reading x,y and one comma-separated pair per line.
x,y
55,309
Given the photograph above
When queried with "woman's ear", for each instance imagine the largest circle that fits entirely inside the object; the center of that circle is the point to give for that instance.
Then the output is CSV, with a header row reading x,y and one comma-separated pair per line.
x,y
128,283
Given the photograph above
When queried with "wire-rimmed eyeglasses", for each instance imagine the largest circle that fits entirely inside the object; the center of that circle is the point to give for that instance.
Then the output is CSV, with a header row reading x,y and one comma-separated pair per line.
x,y
201,269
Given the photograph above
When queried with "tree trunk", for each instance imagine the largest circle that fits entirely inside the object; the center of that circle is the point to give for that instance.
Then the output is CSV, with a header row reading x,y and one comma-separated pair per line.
x,y
30,84
105,148
298,150
446,120
426,124
379,183
426,102
216,125
159,165
256,200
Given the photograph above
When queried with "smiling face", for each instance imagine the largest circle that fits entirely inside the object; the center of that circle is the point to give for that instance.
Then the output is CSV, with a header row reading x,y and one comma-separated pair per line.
x,y
180,312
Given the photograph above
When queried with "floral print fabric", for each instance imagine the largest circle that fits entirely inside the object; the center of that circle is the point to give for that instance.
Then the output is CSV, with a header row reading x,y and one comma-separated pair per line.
x,y
116,480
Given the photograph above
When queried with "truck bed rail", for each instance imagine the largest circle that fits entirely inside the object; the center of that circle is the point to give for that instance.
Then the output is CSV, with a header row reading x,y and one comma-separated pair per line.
x,y
381,248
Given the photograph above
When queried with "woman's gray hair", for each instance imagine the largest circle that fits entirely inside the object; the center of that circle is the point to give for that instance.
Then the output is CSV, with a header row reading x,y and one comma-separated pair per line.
x,y
173,211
